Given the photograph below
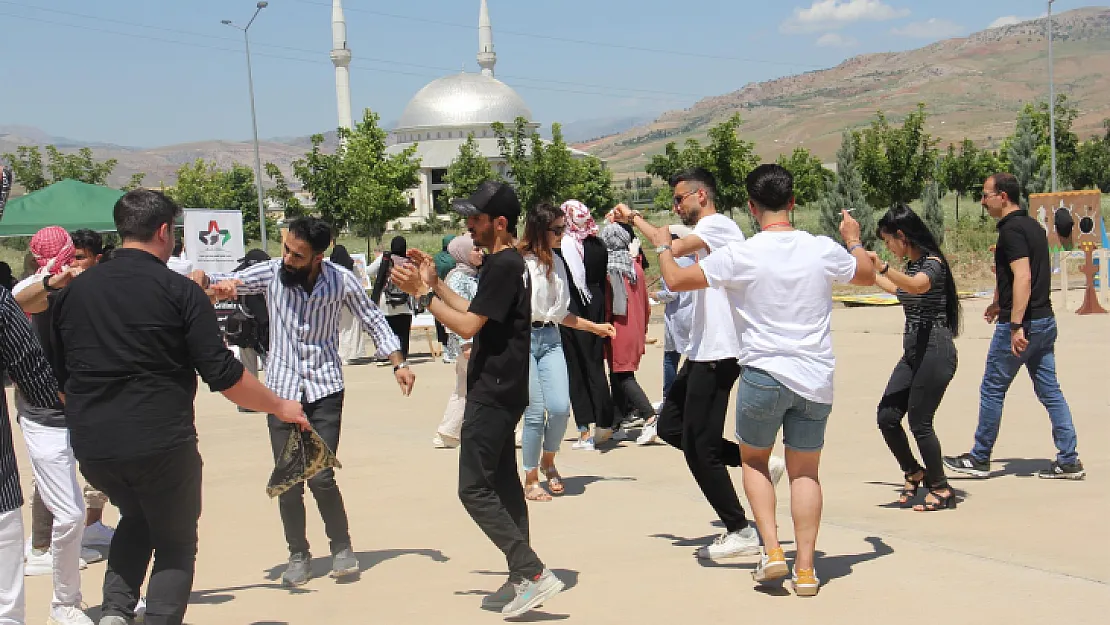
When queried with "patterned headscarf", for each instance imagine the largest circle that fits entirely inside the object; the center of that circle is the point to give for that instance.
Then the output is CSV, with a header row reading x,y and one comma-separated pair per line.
x,y
460,248
580,224
617,240
53,250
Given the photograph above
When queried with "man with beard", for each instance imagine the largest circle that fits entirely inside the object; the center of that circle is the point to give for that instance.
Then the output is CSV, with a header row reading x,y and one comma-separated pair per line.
x,y
305,295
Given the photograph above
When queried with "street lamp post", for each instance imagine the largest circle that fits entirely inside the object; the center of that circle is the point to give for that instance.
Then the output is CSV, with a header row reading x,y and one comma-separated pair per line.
x,y
254,120
1051,100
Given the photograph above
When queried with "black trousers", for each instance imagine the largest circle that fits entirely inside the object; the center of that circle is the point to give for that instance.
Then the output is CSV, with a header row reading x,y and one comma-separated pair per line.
x,y
693,420
490,488
628,397
441,333
916,387
402,327
159,499
589,389
326,416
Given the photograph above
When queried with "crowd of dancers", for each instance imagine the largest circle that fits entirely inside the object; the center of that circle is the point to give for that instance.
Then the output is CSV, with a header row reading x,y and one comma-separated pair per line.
x,y
539,326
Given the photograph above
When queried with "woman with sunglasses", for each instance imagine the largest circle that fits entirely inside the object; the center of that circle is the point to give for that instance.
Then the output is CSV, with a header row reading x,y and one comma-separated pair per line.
x,y
545,419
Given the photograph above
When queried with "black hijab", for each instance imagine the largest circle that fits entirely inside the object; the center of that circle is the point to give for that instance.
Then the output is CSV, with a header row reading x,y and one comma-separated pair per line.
x,y
340,256
397,247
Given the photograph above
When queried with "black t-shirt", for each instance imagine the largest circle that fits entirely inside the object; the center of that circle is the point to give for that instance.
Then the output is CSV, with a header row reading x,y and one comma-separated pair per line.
x,y
44,330
1020,236
498,371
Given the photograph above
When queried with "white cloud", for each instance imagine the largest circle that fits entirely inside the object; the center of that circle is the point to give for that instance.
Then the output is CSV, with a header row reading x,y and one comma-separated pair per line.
x,y
1006,20
826,15
931,28
836,40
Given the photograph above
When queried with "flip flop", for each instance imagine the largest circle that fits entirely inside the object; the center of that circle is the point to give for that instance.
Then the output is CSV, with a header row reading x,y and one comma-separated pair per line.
x,y
554,481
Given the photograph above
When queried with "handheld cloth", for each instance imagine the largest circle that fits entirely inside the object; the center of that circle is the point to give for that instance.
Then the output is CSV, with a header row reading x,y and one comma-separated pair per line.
x,y
305,454
616,241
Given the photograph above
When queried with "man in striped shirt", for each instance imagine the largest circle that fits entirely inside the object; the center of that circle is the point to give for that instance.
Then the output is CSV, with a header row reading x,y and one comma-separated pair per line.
x,y
22,358
305,295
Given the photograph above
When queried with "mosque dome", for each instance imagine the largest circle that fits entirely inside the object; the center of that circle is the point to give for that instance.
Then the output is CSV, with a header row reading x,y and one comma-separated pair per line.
x,y
463,100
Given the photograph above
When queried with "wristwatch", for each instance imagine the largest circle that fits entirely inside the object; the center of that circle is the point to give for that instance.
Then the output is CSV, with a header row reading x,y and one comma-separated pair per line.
x,y
46,285
886,268
404,365
663,248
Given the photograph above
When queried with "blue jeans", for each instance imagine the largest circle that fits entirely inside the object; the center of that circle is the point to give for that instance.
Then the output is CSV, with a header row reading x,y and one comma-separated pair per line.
x,y
670,370
548,392
1002,367
764,405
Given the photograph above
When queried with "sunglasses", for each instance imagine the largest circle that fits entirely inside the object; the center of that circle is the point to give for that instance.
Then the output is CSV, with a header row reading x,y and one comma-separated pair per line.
x,y
679,198
558,230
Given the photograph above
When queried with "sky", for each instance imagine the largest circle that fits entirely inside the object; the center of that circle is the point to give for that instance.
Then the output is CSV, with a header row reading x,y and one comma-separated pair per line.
x,y
156,72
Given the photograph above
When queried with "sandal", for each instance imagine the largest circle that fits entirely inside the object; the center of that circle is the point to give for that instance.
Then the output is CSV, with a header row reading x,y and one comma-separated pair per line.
x,y
535,492
909,491
942,502
554,481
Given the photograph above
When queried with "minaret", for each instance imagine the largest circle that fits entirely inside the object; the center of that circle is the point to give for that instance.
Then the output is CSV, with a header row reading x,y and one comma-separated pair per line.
x,y
487,58
341,58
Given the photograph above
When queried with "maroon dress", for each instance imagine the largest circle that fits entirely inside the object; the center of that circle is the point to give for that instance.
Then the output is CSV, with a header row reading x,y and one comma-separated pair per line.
x,y
624,352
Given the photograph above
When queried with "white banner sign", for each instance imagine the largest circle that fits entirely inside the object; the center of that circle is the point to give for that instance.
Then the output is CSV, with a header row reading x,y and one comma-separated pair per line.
x,y
214,239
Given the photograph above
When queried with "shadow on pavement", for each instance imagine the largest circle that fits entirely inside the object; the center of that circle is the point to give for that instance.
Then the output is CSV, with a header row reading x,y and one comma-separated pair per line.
x,y
576,484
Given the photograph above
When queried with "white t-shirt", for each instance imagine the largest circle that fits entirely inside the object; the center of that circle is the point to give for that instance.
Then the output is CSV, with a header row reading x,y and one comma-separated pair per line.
x,y
180,264
780,287
711,336
550,292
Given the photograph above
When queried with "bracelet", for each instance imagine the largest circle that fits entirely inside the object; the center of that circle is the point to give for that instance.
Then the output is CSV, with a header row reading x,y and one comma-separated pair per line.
x,y
852,248
404,365
886,268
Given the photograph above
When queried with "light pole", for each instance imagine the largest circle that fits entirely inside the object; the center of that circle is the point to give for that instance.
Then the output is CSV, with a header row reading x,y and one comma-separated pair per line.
x,y
1051,100
254,121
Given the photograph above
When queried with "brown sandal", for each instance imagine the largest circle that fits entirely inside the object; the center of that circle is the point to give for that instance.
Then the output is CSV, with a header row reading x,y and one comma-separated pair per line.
x,y
554,481
535,492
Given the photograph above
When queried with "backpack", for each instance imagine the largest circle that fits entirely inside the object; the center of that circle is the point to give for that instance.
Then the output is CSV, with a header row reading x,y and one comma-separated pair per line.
x,y
242,328
394,296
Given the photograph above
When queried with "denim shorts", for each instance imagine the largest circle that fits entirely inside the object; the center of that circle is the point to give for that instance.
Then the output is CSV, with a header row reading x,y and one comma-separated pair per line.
x,y
763,405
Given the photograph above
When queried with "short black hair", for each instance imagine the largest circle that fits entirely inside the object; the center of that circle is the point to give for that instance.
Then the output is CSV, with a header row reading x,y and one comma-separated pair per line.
x,y
108,254
316,231
697,175
770,186
140,213
85,239
1008,184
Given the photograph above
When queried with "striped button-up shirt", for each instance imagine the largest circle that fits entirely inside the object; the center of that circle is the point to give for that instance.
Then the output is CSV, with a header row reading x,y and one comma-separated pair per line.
x,y
303,362
21,356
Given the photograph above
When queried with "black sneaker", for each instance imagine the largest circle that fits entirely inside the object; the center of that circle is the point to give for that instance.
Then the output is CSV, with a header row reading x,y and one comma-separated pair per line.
x,y
298,571
1059,471
967,465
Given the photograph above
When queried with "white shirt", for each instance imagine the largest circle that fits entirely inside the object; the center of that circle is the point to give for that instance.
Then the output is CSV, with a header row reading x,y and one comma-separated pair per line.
x,y
780,286
711,337
678,314
180,264
550,292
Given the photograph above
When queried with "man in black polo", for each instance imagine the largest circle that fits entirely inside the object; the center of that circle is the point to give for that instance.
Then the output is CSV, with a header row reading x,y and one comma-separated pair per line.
x,y
499,319
131,337
1025,335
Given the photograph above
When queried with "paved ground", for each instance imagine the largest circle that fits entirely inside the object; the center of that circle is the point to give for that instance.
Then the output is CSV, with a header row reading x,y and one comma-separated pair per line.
x,y
1017,550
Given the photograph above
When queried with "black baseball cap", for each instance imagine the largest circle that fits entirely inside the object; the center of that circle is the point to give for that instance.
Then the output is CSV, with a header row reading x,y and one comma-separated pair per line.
x,y
496,199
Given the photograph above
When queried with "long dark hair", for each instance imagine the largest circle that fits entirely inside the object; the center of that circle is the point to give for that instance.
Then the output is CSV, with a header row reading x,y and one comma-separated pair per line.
x,y
902,218
536,224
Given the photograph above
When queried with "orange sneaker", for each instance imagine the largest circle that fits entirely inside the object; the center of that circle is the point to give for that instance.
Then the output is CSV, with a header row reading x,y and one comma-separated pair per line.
x,y
772,566
806,582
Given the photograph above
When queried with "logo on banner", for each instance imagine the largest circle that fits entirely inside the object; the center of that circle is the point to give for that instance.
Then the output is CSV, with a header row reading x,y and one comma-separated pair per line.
x,y
214,236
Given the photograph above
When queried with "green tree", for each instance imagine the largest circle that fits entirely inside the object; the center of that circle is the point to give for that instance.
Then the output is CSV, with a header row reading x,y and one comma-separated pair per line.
x,y
466,172
27,167
963,171
810,175
136,182
845,192
895,162
30,171
1093,162
203,184
1067,142
933,211
592,185
1024,159
280,194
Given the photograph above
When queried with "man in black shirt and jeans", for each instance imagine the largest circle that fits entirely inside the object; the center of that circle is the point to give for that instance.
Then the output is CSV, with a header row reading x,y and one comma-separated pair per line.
x,y
131,337
1025,335
499,318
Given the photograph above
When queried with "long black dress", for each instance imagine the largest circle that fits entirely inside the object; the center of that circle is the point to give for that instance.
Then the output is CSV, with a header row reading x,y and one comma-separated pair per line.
x,y
585,352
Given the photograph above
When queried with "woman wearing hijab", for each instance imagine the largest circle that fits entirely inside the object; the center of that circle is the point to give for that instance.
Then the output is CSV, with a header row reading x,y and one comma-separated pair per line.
x,y
462,279
396,305
586,259
352,343
444,264
627,308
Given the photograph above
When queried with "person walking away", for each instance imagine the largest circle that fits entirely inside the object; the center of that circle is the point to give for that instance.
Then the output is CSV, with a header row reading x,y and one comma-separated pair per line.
x,y
128,359
397,306
779,284
445,262
352,345
545,418
463,281
587,263
499,320
1025,335
306,295
927,292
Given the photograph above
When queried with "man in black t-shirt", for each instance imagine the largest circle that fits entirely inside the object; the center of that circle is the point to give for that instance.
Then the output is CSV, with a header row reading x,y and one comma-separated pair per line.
x,y
1025,335
499,319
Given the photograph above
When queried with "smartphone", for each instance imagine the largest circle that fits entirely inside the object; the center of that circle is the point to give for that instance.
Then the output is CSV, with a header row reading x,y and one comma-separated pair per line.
x,y
400,261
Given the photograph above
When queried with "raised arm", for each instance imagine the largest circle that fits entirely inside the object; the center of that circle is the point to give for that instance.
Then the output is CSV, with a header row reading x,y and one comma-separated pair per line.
x,y
31,293
22,355
253,280
450,308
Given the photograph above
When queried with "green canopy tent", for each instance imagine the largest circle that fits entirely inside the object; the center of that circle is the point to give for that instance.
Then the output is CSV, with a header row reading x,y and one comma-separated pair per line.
x,y
70,204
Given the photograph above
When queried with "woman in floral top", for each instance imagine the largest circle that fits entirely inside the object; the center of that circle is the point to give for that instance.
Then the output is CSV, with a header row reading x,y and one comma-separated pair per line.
x,y
463,279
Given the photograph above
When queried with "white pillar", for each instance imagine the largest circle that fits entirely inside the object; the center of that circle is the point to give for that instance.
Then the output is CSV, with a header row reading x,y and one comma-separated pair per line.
x,y
341,58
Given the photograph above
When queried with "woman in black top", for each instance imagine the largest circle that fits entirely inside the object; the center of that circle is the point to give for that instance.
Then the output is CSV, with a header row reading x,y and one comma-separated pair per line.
x,y
927,293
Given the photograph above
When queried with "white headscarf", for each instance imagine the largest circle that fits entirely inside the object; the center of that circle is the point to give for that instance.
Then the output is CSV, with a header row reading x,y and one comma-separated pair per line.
x,y
580,225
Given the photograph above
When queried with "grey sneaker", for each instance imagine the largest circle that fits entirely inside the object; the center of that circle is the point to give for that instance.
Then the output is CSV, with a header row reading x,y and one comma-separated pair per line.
x,y
344,563
501,598
532,592
298,572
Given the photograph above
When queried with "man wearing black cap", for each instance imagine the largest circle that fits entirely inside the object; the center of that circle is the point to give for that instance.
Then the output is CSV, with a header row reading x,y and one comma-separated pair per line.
x,y
499,319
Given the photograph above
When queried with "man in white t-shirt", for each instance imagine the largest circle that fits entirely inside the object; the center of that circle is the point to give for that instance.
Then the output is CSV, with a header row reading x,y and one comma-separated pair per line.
x,y
693,414
779,284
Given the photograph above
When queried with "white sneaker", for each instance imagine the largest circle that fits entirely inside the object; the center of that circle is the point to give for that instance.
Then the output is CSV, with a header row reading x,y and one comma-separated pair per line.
x,y
731,545
658,406
584,444
140,610
777,467
39,563
89,554
650,433
98,535
68,615
442,441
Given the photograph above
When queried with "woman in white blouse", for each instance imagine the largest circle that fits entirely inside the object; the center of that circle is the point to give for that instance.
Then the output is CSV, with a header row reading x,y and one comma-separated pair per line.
x,y
545,419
